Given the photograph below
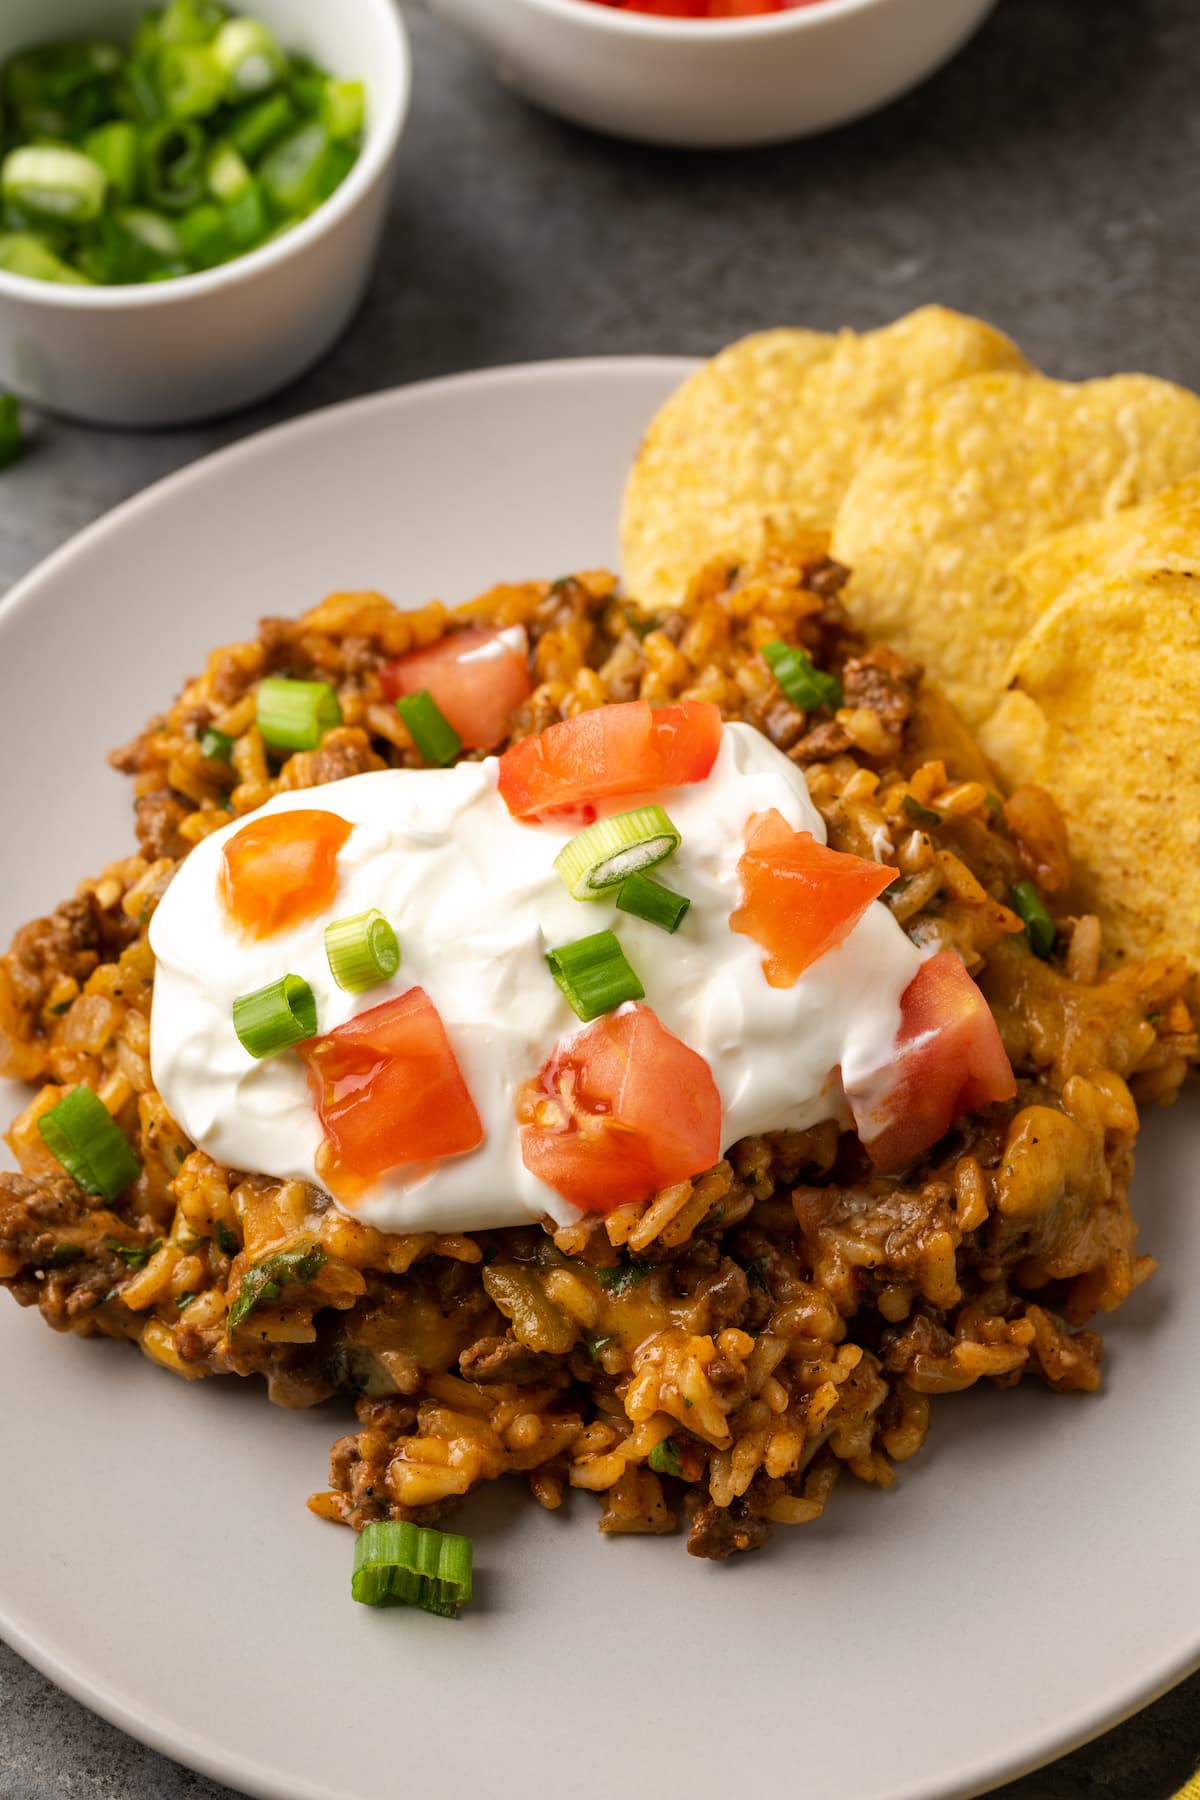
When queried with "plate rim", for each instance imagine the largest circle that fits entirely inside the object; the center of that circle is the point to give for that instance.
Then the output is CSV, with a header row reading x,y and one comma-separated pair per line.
x,y
144,1722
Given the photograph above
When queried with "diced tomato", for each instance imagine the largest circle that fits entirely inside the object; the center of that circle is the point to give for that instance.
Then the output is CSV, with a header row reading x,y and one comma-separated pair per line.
x,y
619,1111
799,898
477,678
389,1092
282,869
949,1060
631,748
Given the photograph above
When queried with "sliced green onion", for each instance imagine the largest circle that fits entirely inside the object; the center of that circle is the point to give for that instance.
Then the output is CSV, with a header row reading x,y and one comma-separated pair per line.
x,y
339,160
664,1458
188,21
56,72
138,97
295,715
594,975
228,174
648,899
216,745
362,951
190,80
920,815
249,57
205,235
247,216
255,128
266,1280
82,1135
291,170
608,852
115,148
10,430
429,728
274,1017
1040,928
55,183
174,158
23,254
399,1564
343,109
804,685
306,84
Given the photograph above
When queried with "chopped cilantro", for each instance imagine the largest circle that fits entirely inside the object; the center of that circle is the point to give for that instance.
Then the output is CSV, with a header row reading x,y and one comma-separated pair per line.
x,y
227,1242
63,1006
756,1273
622,1276
62,1254
184,1301
134,1256
923,815
595,1345
267,1279
664,1458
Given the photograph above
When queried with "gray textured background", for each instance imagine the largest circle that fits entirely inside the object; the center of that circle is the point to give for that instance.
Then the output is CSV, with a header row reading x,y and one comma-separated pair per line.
x,y
1048,180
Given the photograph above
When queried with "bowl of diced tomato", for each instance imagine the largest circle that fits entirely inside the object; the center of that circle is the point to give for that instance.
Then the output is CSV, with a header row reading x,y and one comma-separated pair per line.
x,y
714,73
192,193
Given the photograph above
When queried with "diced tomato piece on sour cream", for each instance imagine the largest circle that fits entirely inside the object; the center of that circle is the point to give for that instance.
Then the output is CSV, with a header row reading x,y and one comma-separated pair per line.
x,y
389,1092
630,748
477,678
618,1111
949,1060
282,869
799,898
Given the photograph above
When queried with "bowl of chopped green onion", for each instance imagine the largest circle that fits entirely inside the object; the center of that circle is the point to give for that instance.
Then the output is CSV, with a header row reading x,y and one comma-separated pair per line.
x,y
191,197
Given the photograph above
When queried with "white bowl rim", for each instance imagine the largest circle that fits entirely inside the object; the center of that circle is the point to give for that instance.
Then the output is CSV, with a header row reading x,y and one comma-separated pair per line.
x,y
376,153
617,20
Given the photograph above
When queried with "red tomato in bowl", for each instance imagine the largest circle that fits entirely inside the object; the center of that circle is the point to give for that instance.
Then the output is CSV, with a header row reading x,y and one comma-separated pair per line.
x,y
388,1091
629,748
282,869
949,1060
477,678
799,898
619,1111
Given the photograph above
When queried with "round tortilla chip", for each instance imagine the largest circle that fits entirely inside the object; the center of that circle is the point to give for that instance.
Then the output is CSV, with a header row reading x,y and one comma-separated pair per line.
x,y
936,516
776,425
1162,534
1102,712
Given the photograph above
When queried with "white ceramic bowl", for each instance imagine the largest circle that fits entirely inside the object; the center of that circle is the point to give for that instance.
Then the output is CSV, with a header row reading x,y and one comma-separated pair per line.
x,y
715,82
169,352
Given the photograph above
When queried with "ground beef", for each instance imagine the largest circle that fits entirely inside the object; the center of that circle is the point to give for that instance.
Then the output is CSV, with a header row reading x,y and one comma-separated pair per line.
x,y
159,816
717,1531
493,1359
885,683
338,758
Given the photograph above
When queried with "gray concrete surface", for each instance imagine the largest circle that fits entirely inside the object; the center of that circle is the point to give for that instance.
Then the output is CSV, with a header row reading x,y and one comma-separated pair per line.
x,y
1047,179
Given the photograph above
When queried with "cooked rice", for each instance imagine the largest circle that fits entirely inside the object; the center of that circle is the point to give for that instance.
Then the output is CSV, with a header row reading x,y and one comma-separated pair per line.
x,y
726,1348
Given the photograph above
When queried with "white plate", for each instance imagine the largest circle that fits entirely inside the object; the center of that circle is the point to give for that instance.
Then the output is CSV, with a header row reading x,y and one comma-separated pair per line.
x,y
1034,1575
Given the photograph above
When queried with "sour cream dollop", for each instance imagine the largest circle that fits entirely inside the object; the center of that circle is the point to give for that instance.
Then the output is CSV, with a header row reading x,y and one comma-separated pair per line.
x,y
476,903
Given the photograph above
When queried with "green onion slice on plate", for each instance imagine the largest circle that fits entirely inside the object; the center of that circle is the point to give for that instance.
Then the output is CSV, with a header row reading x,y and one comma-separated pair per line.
x,y
804,685
295,715
398,1564
594,975
275,1017
82,1135
611,850
648,899
429,728
1030,908
362,951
